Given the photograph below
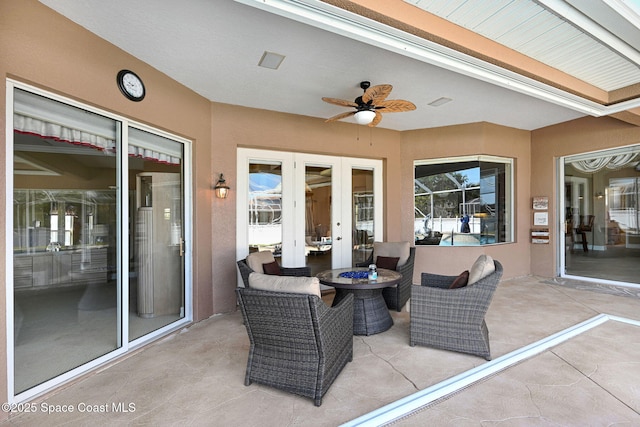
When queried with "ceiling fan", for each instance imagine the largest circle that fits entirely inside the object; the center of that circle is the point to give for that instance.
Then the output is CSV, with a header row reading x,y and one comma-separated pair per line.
x,y
370,105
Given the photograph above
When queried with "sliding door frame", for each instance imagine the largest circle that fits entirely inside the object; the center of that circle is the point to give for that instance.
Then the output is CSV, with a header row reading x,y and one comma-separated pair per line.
x,y
124,345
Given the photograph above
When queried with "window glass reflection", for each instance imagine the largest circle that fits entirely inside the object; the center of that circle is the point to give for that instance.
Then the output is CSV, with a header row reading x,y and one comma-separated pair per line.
x,y
463,203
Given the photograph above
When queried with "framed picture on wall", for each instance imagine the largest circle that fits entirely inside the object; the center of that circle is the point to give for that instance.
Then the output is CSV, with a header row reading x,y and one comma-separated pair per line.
x,y
540,218
541,203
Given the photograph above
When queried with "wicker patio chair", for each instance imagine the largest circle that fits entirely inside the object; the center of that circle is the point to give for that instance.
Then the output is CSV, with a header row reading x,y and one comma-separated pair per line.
x,y
297,343
452,319
245,271
396,296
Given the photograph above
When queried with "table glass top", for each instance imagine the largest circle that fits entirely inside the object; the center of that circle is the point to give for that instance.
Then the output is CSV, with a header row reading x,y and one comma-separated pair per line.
x,y
332,277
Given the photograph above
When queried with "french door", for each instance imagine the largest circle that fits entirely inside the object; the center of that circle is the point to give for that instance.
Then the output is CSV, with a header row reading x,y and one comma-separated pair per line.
x,y
320,211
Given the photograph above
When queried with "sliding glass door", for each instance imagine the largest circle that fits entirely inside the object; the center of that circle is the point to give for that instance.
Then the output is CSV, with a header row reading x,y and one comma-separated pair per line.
x,y
319,211
65,257
156,261
600,213
98,239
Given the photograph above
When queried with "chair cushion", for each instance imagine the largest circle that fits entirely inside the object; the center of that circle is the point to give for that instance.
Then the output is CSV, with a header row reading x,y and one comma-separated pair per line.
x,y
393,249
460,281
291,284
390,263
272,268
256,259
480,269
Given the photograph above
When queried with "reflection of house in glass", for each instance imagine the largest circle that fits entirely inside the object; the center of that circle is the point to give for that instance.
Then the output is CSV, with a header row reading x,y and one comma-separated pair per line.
x,y
363,216
623,203
60,218
446,192
265,210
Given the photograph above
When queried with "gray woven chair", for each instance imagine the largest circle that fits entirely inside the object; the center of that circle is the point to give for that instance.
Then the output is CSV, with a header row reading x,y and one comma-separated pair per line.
x,y
245,271
396,296
452,319
297,343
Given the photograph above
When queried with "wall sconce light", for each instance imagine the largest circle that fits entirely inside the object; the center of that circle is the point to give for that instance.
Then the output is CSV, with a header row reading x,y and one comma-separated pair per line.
x,y
221,188
599,195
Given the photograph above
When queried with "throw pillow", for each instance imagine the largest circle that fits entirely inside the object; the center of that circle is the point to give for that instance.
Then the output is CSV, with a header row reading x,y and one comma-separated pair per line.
x,y
292,284
256,259
390,263
393,249
460,281
480,269
272,268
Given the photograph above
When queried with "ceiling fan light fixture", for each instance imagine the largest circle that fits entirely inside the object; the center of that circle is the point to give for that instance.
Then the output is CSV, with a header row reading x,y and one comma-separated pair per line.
x,y
370,106
364,117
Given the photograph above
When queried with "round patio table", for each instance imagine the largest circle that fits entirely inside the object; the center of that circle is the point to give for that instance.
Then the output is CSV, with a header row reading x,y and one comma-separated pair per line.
x,y
370,313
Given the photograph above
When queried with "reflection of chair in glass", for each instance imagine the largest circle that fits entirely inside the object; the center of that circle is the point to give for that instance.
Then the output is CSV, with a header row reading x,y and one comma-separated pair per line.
x,y
255,262
568,236
317,247
361,239
586,225
451,318
297,343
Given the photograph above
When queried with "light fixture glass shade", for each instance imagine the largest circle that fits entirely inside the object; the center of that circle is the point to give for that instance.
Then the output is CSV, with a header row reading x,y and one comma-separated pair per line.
x,y
222,192
365,117
221,188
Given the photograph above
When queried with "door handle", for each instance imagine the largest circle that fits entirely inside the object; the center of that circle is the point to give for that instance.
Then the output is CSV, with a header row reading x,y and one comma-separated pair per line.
x,y
338,238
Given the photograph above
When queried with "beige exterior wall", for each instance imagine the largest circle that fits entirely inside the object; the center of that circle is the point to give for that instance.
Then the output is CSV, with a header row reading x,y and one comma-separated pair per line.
x,y
235,126
40,47
548,144
471,139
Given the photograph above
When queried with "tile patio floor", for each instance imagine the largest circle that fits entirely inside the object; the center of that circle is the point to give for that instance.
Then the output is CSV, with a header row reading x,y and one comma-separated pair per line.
x,y
195,377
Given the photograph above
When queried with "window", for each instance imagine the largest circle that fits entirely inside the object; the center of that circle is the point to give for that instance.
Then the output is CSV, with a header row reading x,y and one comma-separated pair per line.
x,y
463,201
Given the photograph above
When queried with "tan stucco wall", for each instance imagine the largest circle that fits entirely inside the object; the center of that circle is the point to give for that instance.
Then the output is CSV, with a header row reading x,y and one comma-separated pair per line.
x,y
471,139
40,47
548,144
235,126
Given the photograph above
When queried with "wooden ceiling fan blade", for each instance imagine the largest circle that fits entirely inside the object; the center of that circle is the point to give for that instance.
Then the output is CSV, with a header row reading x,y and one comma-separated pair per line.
x,y
341,102
340,116
395,106
376,120
376,94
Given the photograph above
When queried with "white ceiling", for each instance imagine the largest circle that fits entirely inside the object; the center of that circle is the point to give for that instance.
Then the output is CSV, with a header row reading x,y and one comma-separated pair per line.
x,y
553,32
213,47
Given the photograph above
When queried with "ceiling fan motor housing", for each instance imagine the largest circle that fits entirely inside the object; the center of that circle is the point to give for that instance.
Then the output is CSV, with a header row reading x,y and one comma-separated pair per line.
x,y
363,106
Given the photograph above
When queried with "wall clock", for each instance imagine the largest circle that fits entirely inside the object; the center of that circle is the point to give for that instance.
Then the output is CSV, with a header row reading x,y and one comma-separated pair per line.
x,y
131,85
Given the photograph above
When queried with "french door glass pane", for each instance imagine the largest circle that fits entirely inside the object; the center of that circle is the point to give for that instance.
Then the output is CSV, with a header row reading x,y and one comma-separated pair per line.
x,y
156,289
64,239
302,206
318,185
265,207
363,214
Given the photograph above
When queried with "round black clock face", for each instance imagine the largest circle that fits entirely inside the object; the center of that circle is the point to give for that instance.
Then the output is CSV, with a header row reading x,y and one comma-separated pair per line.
x,y
131,85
